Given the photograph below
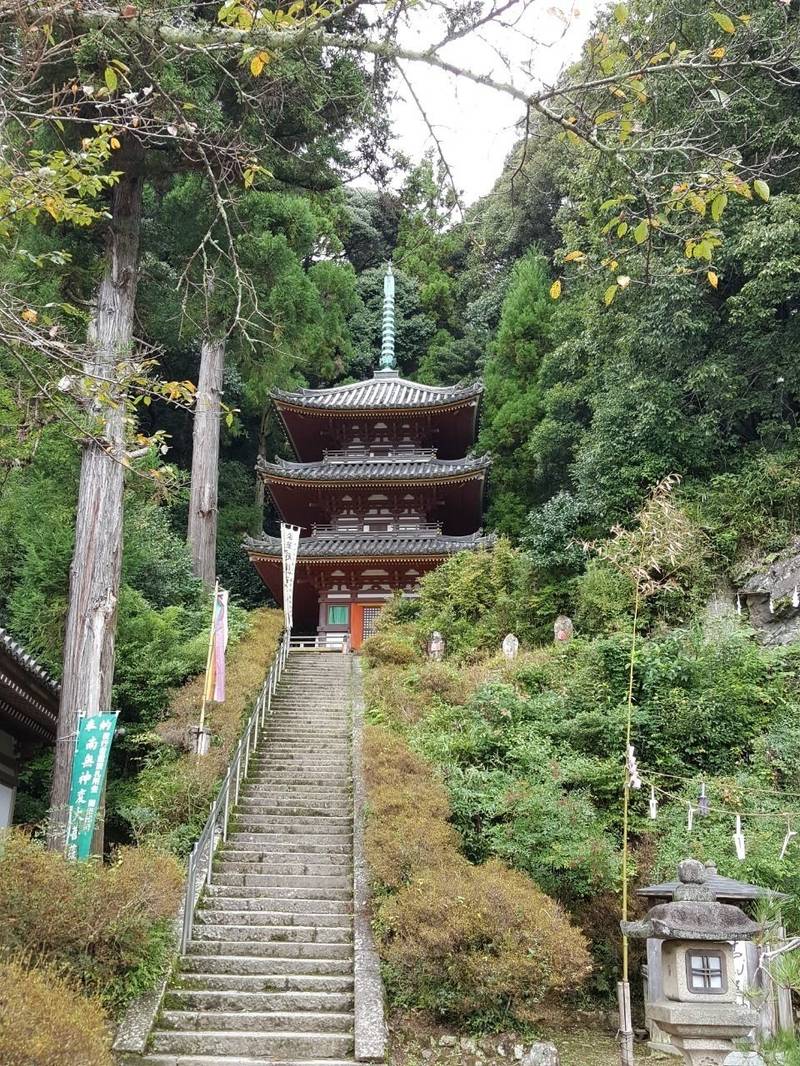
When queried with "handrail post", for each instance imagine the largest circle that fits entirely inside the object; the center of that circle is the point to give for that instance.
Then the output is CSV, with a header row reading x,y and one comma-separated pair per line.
x,y
227,787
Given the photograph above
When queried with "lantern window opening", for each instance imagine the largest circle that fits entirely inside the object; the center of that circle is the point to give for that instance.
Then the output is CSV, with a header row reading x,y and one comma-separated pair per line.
x,y
705,972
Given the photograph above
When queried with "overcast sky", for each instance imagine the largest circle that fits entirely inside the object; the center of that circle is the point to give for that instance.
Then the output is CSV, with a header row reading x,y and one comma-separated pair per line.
x,y
475,125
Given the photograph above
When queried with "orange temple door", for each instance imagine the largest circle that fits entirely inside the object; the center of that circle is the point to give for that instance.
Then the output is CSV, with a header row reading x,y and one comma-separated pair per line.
x,y
356,626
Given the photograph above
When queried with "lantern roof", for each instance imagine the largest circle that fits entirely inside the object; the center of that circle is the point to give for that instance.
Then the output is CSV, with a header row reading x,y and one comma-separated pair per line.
x,y
723,888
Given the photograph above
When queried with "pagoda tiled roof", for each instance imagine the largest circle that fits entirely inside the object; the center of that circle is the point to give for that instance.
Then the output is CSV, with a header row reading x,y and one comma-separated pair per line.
x,y
375,469
29,664
370,545
384,390
28,694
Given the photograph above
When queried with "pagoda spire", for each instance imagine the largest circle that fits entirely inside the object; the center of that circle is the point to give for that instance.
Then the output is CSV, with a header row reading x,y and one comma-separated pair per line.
x,y
387,341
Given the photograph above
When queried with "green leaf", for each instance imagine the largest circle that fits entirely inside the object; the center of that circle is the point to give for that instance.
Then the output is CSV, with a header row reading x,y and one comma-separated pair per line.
x,y
641,231
761,189
609,294
621,14
110,78
718,205
725,22
622,229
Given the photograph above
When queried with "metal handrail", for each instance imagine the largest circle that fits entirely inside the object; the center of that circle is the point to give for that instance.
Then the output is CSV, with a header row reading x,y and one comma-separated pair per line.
x,y
216,827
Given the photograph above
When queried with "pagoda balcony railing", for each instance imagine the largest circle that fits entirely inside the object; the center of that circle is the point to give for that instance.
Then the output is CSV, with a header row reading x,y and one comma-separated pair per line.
x,y
396,453
390,530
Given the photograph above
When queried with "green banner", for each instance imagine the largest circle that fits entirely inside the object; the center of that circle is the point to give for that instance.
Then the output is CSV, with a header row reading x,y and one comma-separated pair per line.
x,y
89,765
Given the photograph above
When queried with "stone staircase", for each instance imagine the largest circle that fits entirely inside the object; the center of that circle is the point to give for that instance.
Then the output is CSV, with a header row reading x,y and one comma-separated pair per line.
x,y
268,976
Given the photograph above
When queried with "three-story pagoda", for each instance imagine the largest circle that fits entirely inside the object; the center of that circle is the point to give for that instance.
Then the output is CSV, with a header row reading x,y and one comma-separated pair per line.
x,y
383,489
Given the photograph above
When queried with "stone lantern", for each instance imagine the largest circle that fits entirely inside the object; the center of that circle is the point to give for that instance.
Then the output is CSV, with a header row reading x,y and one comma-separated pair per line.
x,y
699,1006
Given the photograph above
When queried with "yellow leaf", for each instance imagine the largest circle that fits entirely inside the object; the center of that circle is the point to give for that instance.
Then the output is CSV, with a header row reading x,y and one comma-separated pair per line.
x,y
555,289
761,189
114,142
258,62
29,315
609,294
717,53
725,22
574,257
713,279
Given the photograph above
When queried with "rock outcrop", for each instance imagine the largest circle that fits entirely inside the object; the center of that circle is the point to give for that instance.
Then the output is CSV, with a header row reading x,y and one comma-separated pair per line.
x,y
772,598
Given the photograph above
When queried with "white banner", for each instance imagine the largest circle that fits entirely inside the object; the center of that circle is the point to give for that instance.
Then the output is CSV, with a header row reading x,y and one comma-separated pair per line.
x,y
290,538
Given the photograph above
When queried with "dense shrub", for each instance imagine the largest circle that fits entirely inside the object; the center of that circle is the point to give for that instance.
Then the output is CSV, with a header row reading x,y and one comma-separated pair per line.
x,y
105,925
167,802
44,1021
407,828
476,598
395,648
480,942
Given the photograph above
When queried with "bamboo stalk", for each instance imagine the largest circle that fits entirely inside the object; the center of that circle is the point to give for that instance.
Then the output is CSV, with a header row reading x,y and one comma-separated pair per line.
x,y
625,1024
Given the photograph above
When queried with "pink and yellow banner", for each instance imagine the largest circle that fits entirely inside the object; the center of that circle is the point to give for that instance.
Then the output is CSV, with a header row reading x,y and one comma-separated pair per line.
x,y
215,677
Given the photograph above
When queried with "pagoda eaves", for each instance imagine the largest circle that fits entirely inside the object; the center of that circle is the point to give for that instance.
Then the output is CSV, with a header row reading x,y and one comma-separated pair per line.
x,y
439,416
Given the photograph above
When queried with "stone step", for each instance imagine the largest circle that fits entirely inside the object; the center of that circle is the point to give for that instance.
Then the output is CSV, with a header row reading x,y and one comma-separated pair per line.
x,y
268,1021
302,823
336,778
226,1060
229,1000
283,880
227,916
268,934
309,824
291,807
241,852
292,795
301,759
261,842
278,906
281,1046
303,894
255,797
293,949
267,966
277,868
263,983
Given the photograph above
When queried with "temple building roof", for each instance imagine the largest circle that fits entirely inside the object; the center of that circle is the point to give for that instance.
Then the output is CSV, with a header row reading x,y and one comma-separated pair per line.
x,y
375,469
385,391
29,697
409,544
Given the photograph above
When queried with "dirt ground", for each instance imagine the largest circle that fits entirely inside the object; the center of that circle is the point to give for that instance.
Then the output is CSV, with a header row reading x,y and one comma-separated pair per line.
x,y
416,1040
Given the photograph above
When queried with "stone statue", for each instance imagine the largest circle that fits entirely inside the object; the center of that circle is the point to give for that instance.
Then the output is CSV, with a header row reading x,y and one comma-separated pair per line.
x,y
436,646
510,646
563,629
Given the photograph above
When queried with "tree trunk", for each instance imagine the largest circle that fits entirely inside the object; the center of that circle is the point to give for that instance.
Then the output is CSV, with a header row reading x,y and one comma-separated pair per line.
x,y
202,533
96,562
